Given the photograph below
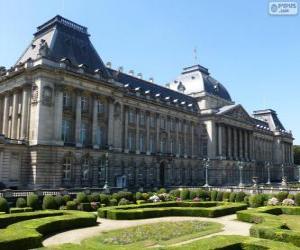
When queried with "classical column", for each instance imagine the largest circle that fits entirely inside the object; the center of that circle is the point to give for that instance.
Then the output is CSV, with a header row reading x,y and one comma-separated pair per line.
x,y
126,130
241,144
184,139
137,133
192,142
168,134
58,113
220,140
78,119
235,144
14,116
157,132
229,142
177,138
246,145
111,123
250,148
148,133
5,115
95,141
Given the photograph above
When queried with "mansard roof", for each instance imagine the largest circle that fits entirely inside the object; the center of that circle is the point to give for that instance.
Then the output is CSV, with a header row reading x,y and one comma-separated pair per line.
x,y
274,121
154,90
60,38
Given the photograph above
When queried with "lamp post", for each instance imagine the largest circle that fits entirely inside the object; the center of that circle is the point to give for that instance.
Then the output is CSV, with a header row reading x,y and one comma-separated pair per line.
x,y
269,176
206,163
106,187
241,167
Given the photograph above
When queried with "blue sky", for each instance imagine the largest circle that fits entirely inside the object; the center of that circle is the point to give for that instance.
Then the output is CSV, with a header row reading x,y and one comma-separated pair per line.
x,y
255,55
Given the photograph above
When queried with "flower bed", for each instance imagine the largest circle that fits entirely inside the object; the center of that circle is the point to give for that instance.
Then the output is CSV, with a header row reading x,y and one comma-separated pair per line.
x,y
28,234
270,226
161,209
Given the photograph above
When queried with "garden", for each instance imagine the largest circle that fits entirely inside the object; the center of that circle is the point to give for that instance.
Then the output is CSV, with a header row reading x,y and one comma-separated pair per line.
x,y
26,222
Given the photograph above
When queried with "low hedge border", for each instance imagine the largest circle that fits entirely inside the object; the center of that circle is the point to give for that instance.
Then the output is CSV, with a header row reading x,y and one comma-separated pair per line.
x,y
29,234
15,210
152,210
235,242
269,226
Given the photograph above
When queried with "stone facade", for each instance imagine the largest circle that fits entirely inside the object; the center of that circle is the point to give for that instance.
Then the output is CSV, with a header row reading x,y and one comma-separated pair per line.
x,y
70,121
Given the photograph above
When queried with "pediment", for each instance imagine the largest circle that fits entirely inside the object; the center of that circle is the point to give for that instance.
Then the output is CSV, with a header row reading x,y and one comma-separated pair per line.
x,y
237,113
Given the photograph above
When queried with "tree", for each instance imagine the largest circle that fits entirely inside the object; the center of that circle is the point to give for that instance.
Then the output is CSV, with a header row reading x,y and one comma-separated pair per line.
x,y
297,154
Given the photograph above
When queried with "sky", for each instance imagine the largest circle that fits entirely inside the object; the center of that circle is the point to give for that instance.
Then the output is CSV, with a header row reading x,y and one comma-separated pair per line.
x,y
255,55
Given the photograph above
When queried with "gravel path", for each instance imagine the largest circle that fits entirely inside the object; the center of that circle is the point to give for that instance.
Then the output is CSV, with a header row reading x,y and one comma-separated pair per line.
x,y
231,227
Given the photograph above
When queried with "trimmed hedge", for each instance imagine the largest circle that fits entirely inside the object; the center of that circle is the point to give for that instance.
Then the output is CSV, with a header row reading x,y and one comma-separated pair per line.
x,y
15,210
29,234
269,226
143,211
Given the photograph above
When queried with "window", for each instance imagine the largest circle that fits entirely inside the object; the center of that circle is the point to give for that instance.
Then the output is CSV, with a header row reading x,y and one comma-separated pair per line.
x,y
152,121
99,136
67,168
66,100
131,116
131,141
163,123
85,169
151,144
84,133
173,125
100,107
66,130
142,119
180,126
163,145
84,104
142,142
171,146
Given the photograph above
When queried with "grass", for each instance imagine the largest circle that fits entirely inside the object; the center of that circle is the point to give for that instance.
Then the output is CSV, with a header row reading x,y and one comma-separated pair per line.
x,y
149,235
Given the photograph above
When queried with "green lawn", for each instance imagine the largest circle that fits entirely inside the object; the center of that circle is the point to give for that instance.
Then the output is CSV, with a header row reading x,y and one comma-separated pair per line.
x,y
292,221
138,237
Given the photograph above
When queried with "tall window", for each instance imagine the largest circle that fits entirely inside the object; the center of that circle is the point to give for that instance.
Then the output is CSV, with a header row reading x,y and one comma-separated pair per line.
x,y
163,123
152,121
85,169
173,124
99,135
132,116
142,142
84,104
151,144
84,133
130,141
100,107
66,100
172,146
66,130
142,118
67,168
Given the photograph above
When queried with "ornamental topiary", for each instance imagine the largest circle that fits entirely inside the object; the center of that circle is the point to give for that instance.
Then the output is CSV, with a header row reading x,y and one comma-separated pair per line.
x,y
232,197
138,196
297,199
185,194
49,202
256,200
81,197
213,195
71,205
104,199
240,197
59,200
3,205
282,195
33,201
21,203
94,197
123,201
113,202
66,198
219,196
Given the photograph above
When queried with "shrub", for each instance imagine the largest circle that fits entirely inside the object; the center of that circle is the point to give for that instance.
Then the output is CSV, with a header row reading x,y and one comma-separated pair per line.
x,y
85,207
240,197
123,201
185,194
49,202
256,200
193,194
175,193
291,196
81,197
113,202
138,196
202,194
225,196
145,196
139,202
297,199
232,197
59,201
104,199
288,202
33,201
66,198
246,199
162,191
71,205
219,196
94,197
21,202
15,210
273,201
282,195
213,195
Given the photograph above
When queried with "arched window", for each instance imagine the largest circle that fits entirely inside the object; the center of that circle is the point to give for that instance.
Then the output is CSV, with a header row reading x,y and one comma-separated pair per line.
x,y
85,169
67,168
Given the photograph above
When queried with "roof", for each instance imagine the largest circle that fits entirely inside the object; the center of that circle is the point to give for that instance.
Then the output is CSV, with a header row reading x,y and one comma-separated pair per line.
x,y
196,79
271,116
165,93
61,38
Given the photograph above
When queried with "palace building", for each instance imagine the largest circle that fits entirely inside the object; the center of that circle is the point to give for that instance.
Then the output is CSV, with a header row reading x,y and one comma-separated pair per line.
x,y
69,120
